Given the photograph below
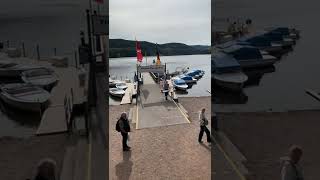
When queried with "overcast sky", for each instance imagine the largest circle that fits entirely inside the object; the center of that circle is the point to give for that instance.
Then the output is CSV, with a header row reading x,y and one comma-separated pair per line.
x,y
161,21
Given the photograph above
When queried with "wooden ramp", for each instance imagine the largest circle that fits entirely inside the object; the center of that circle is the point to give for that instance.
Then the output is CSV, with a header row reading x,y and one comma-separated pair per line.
x,y
53,121
130,91
64,96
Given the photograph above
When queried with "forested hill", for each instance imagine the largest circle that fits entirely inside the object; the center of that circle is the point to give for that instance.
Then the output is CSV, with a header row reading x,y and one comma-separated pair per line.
x,y
127,48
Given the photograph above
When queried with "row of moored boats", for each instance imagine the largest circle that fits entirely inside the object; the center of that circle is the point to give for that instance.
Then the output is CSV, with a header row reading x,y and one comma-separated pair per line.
x,y
180,82
255,51
33,93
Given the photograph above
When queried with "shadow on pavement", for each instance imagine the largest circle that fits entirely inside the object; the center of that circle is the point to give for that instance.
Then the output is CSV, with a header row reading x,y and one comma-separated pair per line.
x,y
124,168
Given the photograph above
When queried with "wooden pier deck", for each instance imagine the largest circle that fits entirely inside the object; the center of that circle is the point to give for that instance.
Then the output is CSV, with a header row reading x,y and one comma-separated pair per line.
x,y
130,91
68,91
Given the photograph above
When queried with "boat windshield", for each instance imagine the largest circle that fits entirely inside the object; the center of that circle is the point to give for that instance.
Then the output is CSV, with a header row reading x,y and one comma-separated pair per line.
x,y
179,82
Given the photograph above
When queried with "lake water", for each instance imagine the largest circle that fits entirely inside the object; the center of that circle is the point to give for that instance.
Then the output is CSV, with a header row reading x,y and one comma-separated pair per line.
x,y
123,68
283,89
51,24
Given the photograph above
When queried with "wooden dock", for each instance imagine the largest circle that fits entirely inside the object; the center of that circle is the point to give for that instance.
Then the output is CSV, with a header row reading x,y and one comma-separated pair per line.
x,y
130,91
64,96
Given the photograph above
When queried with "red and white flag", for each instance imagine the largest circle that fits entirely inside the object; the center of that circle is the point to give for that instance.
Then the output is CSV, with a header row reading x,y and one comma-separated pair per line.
x,y
139,52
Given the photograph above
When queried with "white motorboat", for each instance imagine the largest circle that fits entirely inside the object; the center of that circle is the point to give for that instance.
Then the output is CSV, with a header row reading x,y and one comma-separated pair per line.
x,y
249,57
113,82
24,96
117,92
187,79
193,74
13,70
231,81
263,43
42,77
121,85
226,72
180,84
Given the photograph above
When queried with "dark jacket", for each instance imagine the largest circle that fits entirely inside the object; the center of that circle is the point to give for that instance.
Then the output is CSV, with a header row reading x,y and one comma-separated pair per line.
x,y
124,125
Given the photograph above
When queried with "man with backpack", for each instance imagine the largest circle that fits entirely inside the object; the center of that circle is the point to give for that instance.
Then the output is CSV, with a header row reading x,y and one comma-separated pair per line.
x,y
123,126
166,89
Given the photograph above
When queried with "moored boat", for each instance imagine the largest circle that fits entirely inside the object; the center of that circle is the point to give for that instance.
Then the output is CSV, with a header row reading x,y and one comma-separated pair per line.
x,y
117,92
227,72
24,96
249,57
121,85
13,70
187,79
42,77
180,84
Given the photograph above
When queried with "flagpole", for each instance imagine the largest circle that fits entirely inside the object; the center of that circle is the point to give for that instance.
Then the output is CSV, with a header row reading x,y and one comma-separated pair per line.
x,y
146,58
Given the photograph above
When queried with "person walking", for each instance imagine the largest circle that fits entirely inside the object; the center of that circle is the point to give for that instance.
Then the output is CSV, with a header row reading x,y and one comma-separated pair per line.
x,y
291,170
166,89
123,126
203,126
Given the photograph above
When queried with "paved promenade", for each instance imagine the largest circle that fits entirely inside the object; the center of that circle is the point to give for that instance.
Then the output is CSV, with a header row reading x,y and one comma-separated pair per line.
x,y
165,152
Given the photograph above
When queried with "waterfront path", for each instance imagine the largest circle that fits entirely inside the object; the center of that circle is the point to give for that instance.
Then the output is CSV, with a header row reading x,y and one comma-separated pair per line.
x,y
165,152
223,167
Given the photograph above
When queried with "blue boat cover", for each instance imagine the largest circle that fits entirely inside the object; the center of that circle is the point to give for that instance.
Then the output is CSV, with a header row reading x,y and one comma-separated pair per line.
x,y
223,63
259,41
179,81
184,77
243,52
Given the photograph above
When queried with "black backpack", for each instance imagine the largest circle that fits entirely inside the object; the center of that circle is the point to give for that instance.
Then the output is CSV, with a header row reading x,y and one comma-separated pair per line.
x,y
118,126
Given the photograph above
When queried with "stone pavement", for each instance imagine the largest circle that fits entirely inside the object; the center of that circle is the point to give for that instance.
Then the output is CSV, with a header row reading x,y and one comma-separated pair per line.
x,y
166,152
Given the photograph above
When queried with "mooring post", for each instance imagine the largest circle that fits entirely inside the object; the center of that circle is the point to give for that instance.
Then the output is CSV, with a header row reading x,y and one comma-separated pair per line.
x,y
23,50
38,52
76,58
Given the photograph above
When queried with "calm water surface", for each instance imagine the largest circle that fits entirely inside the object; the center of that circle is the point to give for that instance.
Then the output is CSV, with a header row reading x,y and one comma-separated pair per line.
x,y
51,24
123,68
284,88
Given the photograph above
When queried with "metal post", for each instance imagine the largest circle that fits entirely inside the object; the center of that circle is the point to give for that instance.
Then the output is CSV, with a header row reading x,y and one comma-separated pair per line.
x,y
55,51
92,83
23,50
76,58
38,52
165,71
137,86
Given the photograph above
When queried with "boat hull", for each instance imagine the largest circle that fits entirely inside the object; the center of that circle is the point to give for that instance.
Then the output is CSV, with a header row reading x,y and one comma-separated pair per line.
x,y
230,81
257,63
24,106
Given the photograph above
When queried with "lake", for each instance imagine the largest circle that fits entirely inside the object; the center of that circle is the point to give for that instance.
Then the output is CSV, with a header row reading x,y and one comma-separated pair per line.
x,y
123,68
282,87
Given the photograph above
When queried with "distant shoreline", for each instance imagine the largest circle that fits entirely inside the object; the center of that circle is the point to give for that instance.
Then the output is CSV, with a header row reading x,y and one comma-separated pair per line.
x,y
127,48
163,55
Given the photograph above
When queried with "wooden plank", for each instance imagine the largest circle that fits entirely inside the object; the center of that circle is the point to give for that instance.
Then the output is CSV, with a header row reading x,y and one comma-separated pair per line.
x,y
147,79
53,121
127,98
